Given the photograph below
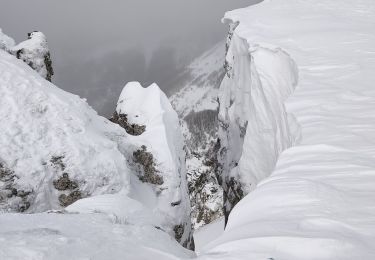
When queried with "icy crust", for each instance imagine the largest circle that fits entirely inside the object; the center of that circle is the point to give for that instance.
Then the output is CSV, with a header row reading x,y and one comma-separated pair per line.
x,y
254,127
47,132
162,142
318,202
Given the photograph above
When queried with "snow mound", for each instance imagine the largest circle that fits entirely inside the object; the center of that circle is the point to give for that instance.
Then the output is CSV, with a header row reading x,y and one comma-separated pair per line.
x,y
318,202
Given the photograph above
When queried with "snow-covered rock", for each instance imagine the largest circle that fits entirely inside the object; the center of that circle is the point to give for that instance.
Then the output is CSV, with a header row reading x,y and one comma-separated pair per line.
x,y
196,104
57,154
47,154
254,127
159,159
35,52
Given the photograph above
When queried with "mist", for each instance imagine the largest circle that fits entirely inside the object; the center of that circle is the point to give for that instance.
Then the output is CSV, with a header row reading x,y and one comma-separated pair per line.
x,y
98,46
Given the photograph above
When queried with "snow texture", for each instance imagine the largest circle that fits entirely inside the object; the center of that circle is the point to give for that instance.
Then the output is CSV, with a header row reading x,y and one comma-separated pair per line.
x,y
55,150
318,202
254,127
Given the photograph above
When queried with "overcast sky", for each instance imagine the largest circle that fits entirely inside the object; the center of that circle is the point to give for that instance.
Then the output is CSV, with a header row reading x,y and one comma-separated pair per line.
x,y
99,45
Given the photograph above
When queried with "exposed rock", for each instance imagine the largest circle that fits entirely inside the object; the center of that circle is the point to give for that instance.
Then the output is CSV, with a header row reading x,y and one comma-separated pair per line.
x,y
66,200
146,160
64,183
122,120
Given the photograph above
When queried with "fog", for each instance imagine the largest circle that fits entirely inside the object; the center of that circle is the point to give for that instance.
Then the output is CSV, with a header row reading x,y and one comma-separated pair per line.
x,y
98,46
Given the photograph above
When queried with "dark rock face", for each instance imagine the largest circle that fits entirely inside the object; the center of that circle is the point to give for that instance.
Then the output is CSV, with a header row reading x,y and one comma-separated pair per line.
x,y
66,200
68,188
122,120
64,183
226,159
146,160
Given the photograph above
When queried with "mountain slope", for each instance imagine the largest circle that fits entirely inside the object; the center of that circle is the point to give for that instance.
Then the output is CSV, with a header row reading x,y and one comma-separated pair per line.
x,y
197,107
59,157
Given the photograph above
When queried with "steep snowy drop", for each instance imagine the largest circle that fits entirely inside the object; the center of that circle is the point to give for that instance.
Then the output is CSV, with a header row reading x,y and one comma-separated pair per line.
x,y
254,127
318,201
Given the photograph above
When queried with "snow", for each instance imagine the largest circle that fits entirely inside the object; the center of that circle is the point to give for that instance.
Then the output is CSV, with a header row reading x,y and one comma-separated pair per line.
x,y
208,233
200,90
82,236
163,138
39,122
318,201
34,51
46,133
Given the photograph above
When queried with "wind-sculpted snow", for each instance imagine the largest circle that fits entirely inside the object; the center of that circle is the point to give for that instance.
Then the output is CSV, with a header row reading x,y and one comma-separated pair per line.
x,y
254,127
318,202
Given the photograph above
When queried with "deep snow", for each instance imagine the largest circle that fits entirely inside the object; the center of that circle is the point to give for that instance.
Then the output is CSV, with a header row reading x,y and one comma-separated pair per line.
x,y
318,202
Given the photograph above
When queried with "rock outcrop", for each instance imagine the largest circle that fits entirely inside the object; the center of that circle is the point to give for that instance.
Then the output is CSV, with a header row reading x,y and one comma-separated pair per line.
x,y
35,52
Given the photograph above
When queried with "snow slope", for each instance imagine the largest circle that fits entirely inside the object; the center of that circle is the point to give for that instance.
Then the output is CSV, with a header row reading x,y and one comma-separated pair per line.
x,y
318,202
57,154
